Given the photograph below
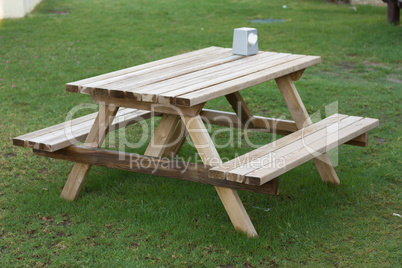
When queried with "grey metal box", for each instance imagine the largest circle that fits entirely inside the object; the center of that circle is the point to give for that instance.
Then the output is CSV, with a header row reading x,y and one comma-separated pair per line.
x,y
245,41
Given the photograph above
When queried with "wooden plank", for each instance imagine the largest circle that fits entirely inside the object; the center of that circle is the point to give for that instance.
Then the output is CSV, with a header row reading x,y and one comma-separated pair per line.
x,y
74,86
229,197
23,139
220,172
260,123
241,109
254,64
361,140
304,154
201,140
296,75
302,119
220,118
170,168
263,124
128,86
176,141
293,101
187,79
234,85
60,139
71,132
163,142
150,92
238,174
164,69
277,126
164,92
95,138
162,136
69,128
149,106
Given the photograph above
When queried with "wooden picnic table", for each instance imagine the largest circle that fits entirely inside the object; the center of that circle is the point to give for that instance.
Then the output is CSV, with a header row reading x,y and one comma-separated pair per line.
x,y
177,89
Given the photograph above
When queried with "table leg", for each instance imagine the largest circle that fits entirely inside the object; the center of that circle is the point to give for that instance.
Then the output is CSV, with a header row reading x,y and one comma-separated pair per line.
x,y
241,109
229,197
176,142
95,138
168,137
302,119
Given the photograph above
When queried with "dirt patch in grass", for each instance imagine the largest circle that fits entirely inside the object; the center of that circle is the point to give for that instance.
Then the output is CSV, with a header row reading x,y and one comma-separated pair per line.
x,y
346,65
59,12
9,155
390,79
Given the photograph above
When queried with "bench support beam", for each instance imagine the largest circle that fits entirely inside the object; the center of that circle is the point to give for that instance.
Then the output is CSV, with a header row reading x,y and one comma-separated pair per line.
x,y
165,167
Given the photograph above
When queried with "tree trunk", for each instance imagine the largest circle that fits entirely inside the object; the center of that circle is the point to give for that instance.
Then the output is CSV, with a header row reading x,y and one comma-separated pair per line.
x,y
392,11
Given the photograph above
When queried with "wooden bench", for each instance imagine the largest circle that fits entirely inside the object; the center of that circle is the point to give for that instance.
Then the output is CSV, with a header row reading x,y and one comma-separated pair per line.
x,y
71,132
256,171
269,161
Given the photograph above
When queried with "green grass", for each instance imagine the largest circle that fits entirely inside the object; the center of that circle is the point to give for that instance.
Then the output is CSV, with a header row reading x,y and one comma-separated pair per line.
x,y
124,219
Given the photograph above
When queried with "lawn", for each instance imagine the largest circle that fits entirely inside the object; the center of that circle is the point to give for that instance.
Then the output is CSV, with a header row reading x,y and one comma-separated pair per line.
x,y
124,219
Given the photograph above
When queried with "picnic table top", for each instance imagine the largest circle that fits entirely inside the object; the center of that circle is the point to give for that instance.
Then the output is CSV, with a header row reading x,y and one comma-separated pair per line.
x,y
192,78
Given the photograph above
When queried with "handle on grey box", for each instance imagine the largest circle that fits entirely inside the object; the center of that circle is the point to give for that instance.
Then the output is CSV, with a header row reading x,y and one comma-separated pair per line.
x,y
252,39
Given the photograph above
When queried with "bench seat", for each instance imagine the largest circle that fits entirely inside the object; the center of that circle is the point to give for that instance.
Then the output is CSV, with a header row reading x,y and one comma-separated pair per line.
x,y
71,132
270,161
